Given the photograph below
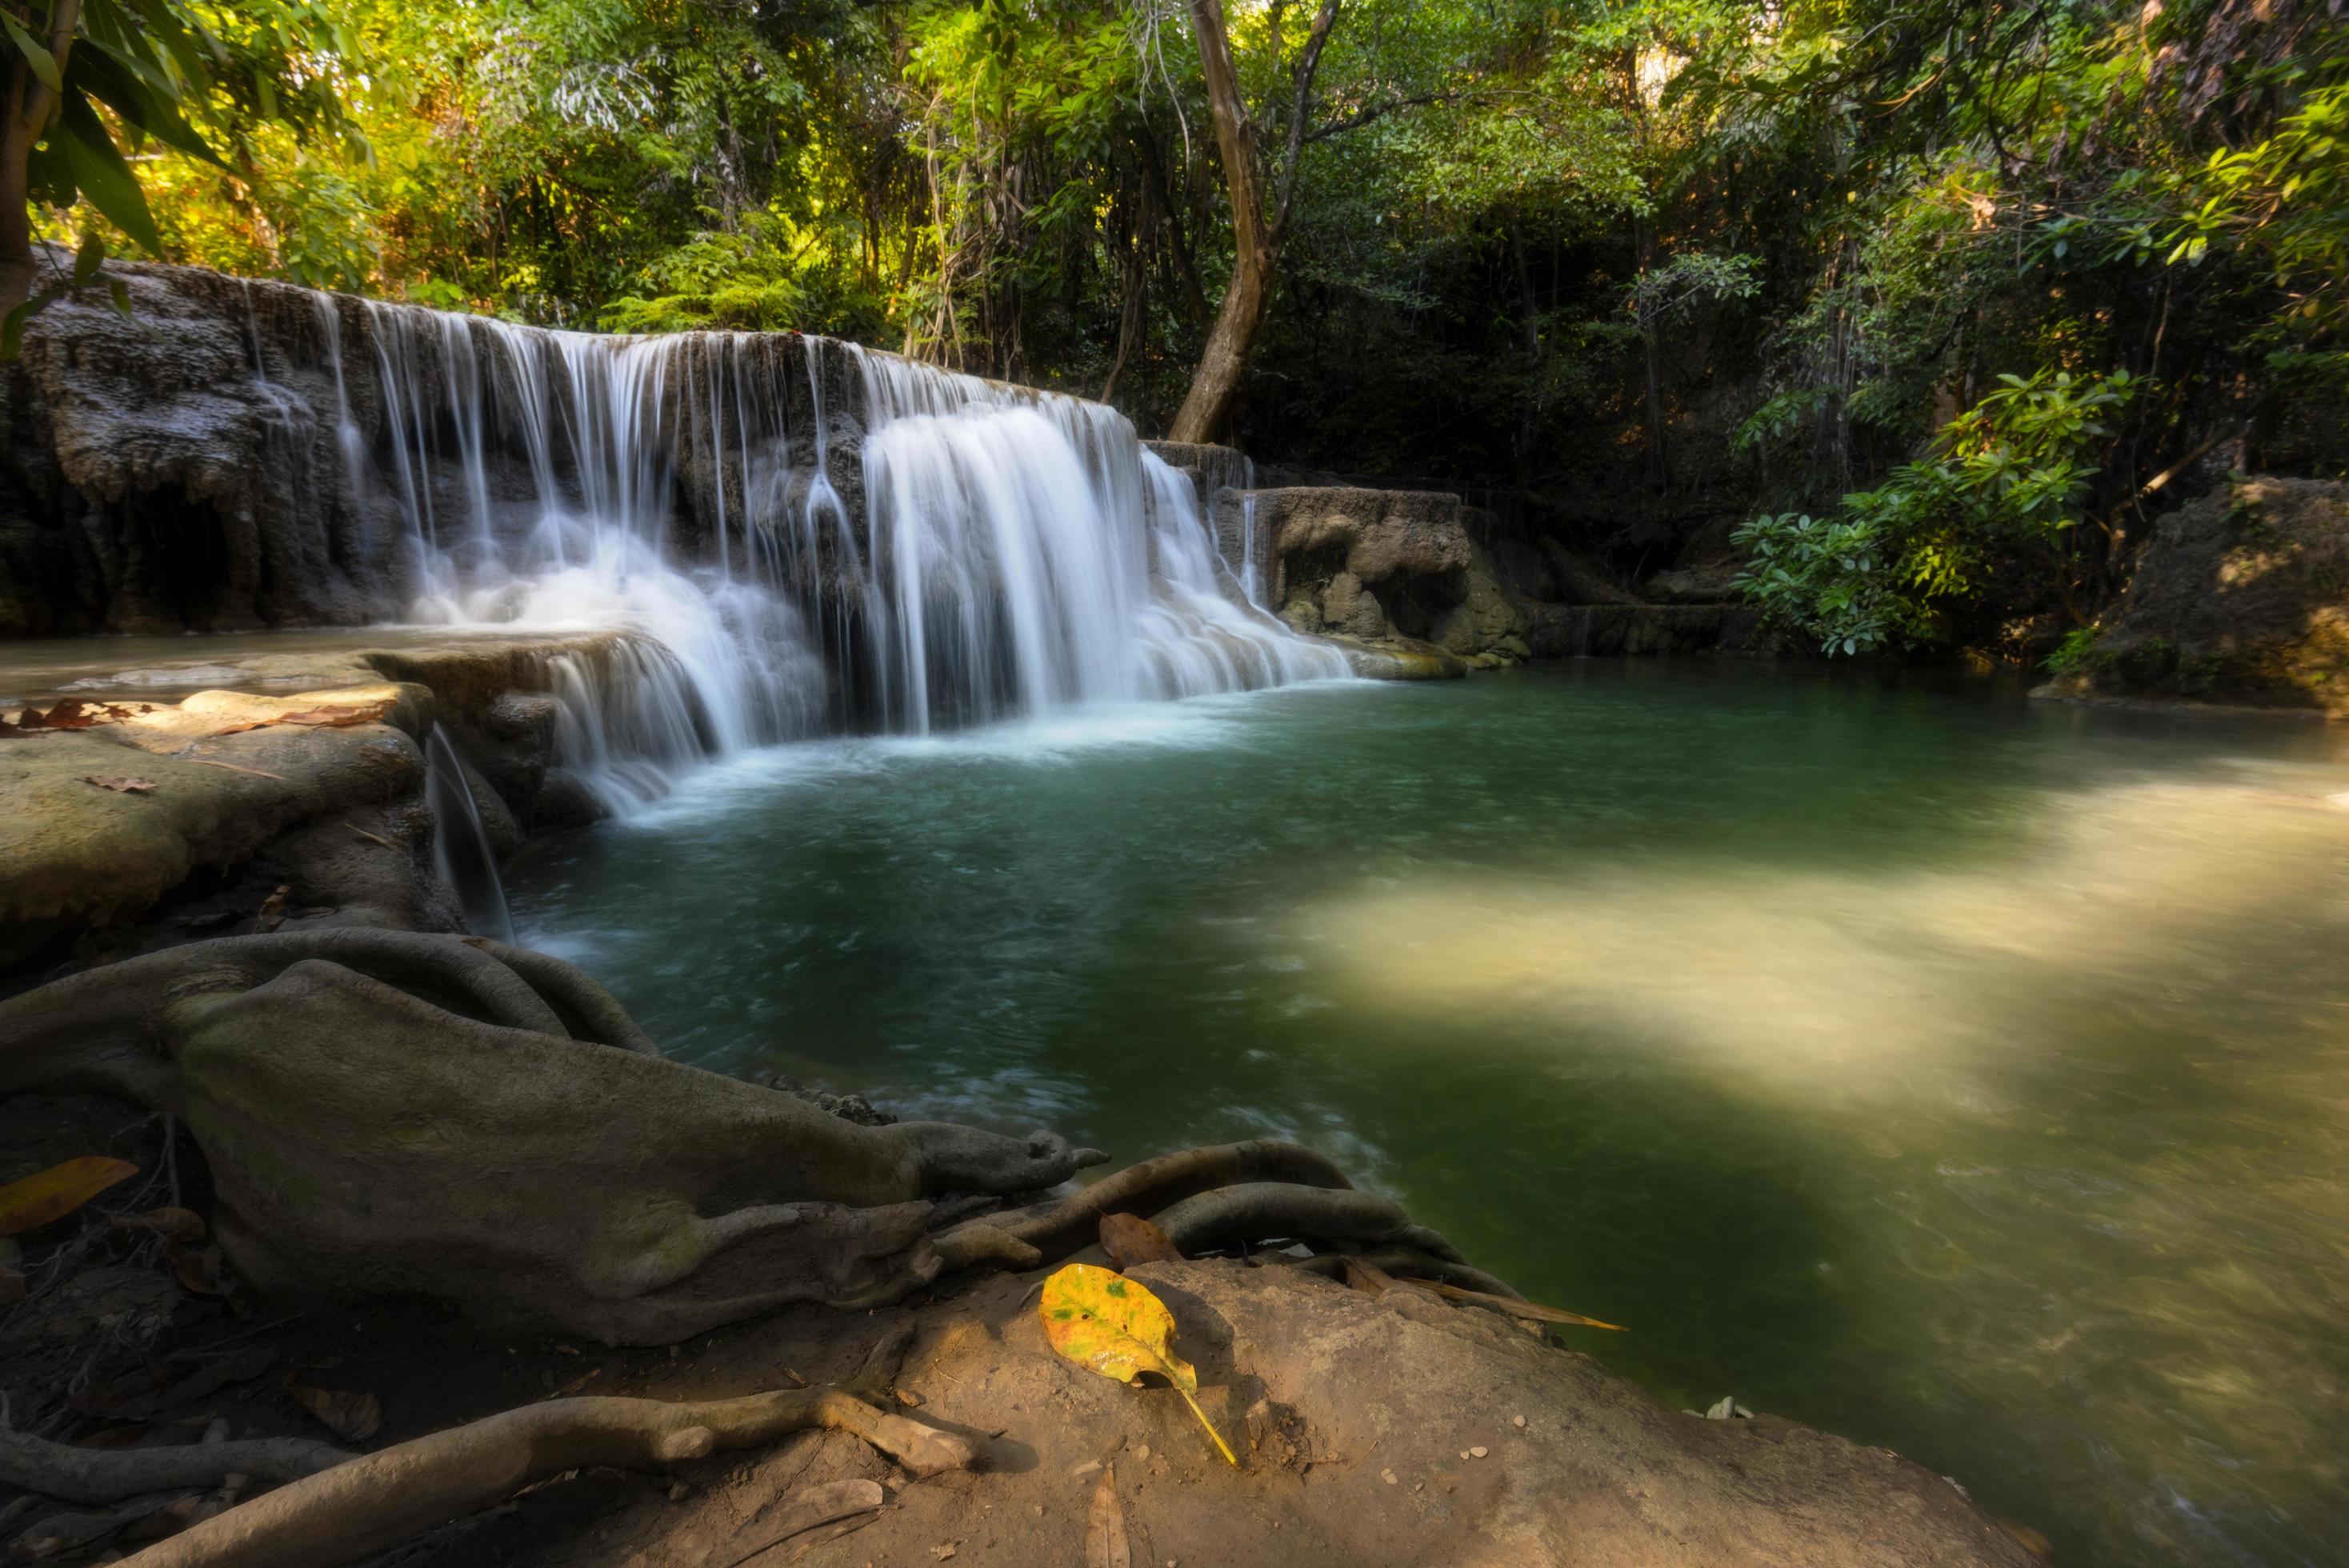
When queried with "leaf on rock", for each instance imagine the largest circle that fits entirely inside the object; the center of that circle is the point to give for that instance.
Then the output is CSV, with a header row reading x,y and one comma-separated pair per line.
x,y
1106,1545
198,1271
1129,1239
353,1418
122,786
318,718
41,1200
1099,1319
71,714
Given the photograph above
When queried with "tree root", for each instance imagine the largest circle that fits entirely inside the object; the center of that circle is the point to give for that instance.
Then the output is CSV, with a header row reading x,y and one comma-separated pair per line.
x,y
374,1503
588,1011
1056,1229
107,1475
1407,1265
1260,1211
101,1031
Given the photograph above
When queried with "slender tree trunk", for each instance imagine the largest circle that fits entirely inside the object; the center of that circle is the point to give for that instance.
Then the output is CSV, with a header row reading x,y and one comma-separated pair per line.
x,y
1256,238
28,107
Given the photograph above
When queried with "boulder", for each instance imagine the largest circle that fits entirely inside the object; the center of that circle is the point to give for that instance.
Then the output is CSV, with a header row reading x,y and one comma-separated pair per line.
x,y
2242,598
1379,568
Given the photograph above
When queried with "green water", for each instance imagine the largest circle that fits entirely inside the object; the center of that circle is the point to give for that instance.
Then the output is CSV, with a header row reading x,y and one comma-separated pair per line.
x,y
1961,1074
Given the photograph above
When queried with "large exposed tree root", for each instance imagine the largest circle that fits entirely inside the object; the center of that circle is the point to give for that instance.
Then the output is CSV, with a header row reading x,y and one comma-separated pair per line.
x,y
389,1112
370,1504
108,1475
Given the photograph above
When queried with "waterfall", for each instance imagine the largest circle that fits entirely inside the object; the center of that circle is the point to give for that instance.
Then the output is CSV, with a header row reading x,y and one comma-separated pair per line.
x,y
460,845
791,532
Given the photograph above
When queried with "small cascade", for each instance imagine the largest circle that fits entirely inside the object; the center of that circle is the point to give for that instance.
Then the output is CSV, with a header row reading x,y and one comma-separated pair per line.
x,y
1012,553
460,844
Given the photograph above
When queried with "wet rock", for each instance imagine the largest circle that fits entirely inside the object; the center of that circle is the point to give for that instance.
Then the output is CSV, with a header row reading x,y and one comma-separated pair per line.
x,y
2242,598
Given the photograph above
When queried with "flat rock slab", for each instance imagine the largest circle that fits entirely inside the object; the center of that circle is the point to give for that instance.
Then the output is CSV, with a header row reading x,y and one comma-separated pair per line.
x,y
1371,1430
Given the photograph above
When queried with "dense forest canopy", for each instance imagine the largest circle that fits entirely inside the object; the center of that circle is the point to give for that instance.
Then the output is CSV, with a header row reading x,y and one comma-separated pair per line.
x,y
1919,307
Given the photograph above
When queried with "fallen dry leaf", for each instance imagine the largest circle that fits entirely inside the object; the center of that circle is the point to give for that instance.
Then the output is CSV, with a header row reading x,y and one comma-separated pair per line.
x,y
71,714
1106,1545
1114,1325
122,786
353,1418
1129,1239
317,717
198,1271
41,1200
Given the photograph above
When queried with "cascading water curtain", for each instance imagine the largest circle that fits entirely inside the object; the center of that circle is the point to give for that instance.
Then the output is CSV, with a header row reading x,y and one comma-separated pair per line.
x,y
1017,553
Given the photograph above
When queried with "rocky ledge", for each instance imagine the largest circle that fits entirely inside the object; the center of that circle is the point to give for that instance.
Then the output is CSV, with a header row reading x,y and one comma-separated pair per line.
x,y
296,801
2242,599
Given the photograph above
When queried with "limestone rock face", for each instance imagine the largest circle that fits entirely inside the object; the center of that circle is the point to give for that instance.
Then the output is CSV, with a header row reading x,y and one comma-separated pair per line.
x,y
238,805
2242,597
234,455
1379,567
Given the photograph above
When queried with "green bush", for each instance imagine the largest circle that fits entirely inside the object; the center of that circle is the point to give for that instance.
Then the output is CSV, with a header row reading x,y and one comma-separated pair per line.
x,y
2008,476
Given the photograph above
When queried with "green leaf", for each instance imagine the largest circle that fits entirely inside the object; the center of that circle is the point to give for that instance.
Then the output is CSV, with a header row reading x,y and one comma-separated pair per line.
x,y
87,259
44,63
100,173
112,79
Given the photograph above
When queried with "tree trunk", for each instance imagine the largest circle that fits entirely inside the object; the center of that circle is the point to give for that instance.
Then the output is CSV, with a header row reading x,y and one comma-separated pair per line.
x,y
1216,383
16,213
29,105
1256,239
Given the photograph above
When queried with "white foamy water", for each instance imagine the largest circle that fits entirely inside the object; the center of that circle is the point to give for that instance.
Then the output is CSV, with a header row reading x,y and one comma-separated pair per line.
x,y
1019,556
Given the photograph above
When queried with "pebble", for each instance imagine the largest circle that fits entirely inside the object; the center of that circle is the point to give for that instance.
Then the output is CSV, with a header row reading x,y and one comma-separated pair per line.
x,y
1387,1476
1142,1452
1520,1421
1480,1451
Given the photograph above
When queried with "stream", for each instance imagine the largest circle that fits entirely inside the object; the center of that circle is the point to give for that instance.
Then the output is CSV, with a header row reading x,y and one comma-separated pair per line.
x,y
1953,1072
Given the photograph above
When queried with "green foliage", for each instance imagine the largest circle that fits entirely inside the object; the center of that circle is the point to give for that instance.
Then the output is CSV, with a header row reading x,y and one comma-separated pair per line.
x,y
1918,287
2007,480
2075,652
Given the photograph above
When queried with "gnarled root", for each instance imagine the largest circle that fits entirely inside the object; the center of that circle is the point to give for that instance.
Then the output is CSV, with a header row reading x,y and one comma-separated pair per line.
x,y
111,1030
1056,1229
1256,1210
107,1475
370,1504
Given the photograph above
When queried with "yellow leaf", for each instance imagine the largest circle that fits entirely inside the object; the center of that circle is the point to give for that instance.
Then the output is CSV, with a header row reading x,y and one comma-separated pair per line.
x,y
1101,1320
38,1201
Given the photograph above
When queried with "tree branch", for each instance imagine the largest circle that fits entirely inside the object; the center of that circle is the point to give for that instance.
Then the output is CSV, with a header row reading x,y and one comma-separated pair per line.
x,y
1300,96
1376,112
